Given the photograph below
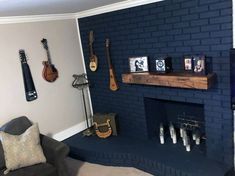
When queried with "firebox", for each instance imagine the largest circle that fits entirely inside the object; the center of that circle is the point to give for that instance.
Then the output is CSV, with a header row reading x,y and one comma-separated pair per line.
x,y
163,116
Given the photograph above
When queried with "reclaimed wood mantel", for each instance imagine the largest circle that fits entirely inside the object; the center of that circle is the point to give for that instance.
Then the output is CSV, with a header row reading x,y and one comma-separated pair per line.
x,y
179,80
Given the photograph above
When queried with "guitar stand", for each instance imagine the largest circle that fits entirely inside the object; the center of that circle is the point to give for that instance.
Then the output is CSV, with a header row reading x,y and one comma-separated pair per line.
x,y
88,131
81,83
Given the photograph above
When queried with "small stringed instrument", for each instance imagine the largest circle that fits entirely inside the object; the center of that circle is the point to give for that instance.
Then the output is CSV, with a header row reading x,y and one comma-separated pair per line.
x,y
30,91
105,134
49,72
112,79
93,58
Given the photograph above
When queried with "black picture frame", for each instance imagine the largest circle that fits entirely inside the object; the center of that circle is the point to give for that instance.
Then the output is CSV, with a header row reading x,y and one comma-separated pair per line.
x,y
163,64
199,64
138,64
188,63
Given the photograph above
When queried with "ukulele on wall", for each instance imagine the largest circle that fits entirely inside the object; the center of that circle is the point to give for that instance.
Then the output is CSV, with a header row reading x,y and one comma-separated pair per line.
x,y
112,79
49,72
93,58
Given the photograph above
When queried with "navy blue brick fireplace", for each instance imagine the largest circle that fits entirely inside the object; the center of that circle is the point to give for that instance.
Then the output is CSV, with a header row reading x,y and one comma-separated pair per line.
x,y
174,28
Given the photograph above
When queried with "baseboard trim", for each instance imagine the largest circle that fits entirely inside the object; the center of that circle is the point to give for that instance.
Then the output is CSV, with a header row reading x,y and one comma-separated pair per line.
x,y
70,131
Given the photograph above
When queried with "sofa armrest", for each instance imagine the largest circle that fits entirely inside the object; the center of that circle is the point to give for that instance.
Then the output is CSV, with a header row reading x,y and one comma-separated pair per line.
x,y
55,153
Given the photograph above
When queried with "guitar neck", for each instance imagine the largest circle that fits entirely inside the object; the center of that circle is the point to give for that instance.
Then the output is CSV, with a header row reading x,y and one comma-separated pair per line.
x,y
108,58
91,49
48,57
91,40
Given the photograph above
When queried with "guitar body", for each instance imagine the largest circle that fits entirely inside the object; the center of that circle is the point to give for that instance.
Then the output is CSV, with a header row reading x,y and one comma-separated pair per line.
x,y
49,72
112,80
93,63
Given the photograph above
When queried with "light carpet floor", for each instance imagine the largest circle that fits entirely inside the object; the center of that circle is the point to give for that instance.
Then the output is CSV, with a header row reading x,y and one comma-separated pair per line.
x,y
79,168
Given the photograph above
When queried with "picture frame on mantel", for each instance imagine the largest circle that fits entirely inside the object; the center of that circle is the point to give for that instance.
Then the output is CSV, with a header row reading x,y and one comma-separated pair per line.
x,y
163,64
138,64
188,63
199,64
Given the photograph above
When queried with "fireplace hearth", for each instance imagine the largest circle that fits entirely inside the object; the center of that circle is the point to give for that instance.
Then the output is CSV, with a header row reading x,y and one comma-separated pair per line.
x,y
168,159
147,155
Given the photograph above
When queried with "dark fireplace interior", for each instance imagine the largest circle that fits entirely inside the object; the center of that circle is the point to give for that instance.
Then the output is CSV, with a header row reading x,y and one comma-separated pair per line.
x,y
178,113
168,28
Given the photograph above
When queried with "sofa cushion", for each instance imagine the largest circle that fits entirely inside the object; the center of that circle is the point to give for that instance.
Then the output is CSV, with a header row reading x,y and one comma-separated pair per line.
x,y
16,126
22,150
2,159
44,169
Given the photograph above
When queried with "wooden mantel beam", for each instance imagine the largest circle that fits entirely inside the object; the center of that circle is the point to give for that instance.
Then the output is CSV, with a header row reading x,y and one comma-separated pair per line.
x,y
179,80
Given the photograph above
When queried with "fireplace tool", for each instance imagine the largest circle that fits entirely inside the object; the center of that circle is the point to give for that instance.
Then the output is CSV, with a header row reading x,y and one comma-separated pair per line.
x,y
173,133
161,134
81,82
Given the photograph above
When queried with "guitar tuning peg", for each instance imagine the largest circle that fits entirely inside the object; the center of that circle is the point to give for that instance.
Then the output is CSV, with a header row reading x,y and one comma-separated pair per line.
x,y
75,76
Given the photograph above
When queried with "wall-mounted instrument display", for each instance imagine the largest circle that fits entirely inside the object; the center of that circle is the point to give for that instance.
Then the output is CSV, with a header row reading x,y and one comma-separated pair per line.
x,y
30,90
49,72
93,58
112,79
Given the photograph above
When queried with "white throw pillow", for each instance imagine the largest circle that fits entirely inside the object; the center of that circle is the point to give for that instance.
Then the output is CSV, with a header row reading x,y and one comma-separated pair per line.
x,y
22,150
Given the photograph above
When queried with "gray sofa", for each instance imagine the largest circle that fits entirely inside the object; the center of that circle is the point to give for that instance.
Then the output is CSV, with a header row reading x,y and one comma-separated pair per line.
x,y
54,151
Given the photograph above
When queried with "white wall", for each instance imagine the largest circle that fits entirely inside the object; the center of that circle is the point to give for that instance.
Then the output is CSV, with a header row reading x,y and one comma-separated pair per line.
x,y
59,106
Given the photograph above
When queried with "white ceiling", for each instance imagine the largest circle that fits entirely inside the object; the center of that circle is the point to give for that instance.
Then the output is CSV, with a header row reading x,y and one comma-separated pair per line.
x,y
41,7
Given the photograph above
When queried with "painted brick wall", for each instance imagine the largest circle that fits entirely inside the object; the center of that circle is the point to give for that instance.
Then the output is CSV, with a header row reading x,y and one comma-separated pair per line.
x,y
175,28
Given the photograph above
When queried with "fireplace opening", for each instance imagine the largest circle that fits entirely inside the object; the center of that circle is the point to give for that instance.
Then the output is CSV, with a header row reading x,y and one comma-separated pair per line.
x,y
172,122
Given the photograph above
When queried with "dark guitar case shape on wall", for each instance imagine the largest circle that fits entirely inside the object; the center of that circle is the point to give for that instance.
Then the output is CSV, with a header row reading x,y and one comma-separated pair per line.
x,y
30,91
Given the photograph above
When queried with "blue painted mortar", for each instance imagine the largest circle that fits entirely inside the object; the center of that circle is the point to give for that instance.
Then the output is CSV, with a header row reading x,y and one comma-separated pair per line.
x,y
174,28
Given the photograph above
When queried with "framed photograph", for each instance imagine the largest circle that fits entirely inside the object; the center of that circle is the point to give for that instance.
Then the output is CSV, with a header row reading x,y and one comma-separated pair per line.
x,y
163,64
138,64
199,64
188,63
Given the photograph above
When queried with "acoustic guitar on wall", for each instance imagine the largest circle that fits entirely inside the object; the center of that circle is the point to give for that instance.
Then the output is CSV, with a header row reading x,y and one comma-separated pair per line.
x,y
112,79
93,58
49,72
